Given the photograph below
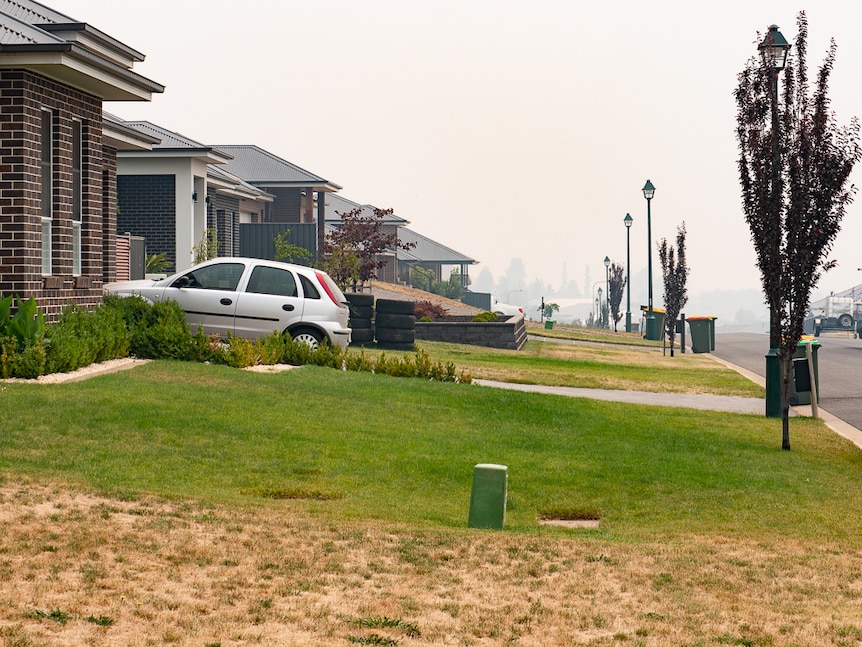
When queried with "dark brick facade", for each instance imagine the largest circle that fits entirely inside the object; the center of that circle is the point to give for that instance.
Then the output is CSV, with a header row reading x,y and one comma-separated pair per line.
x,y
24,99
147,208
287,206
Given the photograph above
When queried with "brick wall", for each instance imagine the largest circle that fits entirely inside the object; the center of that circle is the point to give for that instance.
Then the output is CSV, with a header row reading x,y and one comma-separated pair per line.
x,y
147,208
287,204
24,96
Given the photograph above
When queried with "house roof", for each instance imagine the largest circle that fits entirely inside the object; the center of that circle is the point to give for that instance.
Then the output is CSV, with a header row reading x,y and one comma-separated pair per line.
x,y
175,144
262,168
223,182
338,204
428,251
35,37
121,136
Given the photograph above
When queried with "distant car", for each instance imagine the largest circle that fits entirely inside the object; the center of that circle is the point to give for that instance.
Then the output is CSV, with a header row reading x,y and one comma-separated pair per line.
x,y
251,298
507,310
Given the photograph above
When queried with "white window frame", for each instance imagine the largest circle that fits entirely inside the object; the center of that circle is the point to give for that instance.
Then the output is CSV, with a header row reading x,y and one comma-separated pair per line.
x,y
47,192
77,193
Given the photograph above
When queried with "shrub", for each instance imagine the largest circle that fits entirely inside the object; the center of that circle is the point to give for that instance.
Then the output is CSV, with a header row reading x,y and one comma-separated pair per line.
x,y
82,337
157,331
430,309
484,317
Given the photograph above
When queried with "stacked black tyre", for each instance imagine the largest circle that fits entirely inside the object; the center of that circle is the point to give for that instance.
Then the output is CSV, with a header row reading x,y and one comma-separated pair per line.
x,y
361,314
395,324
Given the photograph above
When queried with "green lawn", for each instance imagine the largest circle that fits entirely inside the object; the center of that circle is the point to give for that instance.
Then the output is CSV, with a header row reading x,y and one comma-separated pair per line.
x,y
346,445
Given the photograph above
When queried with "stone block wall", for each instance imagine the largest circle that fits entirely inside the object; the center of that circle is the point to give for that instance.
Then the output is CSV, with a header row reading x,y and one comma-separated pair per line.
x,y
506,332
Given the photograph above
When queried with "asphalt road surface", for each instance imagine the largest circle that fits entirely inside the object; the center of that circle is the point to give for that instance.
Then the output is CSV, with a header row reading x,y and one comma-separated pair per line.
x,y
839,369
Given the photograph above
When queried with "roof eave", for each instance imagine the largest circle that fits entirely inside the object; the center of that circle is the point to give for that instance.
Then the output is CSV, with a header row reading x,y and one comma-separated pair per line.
x,y
73,66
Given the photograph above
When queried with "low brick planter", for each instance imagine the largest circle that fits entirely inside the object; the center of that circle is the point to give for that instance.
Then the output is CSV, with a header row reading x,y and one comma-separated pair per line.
x,y
506,332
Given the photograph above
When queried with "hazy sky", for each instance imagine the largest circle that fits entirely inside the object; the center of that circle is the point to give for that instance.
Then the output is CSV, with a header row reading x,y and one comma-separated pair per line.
x,y
501,129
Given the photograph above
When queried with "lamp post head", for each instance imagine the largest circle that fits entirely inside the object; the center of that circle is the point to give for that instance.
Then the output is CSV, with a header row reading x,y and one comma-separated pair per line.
x,y
607,262
649,190
628,220
775,48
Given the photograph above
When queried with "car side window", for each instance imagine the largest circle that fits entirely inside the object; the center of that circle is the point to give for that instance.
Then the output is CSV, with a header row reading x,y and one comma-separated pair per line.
x,y
308,288
272,280
221,276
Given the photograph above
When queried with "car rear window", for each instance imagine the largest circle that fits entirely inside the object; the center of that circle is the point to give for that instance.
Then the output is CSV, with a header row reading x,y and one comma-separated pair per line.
x,y
308,288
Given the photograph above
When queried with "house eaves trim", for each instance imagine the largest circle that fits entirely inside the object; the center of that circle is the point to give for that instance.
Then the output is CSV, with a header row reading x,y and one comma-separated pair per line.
x,y
73,65
95,40
207,156
121,137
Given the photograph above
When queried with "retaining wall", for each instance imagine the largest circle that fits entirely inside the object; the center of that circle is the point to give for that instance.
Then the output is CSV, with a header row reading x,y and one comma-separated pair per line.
x,y
506,332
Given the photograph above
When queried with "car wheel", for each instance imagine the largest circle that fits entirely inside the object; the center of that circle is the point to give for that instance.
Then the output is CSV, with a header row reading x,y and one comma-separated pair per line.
x,y
308,336
845,321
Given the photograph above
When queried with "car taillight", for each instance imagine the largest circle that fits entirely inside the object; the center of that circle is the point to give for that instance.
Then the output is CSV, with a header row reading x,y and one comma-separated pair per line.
x,y
321,278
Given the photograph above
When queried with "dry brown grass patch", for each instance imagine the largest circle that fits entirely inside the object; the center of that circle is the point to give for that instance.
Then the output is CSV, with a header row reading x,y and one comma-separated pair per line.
x,y
157,572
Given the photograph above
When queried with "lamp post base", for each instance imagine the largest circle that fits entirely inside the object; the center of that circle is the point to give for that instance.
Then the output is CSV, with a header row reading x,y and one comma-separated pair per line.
x,y
628,322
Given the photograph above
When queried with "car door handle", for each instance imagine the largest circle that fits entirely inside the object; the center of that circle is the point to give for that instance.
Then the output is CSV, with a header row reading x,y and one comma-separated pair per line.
x,y
225,301
287,307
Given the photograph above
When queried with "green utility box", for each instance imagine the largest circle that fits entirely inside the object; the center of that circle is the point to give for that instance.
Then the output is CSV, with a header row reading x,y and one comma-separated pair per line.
x,y
702,333
488,498
656,332
549,325
800,386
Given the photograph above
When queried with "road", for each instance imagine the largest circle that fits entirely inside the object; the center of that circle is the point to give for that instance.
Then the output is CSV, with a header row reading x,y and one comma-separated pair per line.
x,y
839,364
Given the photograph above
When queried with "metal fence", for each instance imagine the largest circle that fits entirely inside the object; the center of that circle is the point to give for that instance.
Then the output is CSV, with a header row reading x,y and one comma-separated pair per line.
x,y
257,240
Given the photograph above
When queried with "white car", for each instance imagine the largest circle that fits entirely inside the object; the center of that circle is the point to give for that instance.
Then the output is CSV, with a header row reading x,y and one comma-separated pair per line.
x,y
507,310
251,298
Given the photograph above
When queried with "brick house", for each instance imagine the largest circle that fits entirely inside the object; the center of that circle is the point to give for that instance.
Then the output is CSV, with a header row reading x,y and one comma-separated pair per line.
x,y
57,154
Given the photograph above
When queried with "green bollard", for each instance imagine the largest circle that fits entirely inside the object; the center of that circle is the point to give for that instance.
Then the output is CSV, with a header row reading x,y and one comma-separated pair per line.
x,y
488,498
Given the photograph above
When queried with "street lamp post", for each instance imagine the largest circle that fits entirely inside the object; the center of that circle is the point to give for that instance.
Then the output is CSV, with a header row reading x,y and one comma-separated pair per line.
x,y
628,220
649,192
599,306
774,49
608,291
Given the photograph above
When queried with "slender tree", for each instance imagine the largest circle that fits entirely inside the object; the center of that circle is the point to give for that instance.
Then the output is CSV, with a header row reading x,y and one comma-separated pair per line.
x,y
675,274
616,287
355,249
794,168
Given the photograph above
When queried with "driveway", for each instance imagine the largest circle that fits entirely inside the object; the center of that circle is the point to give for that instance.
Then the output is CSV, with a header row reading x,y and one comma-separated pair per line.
x,y
839,364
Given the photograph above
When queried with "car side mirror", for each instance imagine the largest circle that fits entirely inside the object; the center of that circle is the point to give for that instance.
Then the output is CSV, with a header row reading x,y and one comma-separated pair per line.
x,y
182,282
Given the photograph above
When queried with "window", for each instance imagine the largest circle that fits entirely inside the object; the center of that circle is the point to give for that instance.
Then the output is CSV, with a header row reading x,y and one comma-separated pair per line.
x,y
310,292
272,280
221,276
77,195
47,189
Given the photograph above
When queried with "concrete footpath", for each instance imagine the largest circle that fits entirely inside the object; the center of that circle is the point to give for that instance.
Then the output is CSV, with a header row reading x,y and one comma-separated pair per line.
x,y
727,404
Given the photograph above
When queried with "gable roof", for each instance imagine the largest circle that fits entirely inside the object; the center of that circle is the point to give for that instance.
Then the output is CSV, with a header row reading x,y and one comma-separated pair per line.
x,y
338,204
428,251
175,144
35,37
119,135
223,182
261,168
